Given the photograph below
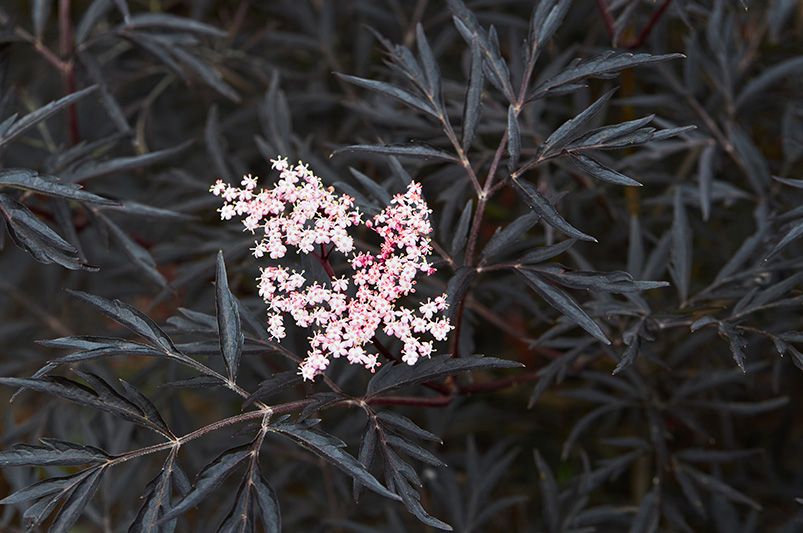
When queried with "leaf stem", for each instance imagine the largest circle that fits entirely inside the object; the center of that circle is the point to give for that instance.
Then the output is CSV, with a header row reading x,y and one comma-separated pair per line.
x,y
200,432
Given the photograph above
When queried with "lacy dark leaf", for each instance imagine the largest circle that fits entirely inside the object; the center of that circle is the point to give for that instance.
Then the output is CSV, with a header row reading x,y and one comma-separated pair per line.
x,y
75,503
599,171
16,127
599,67
331,449
395,92
209,479
94,169
473,101
393,377
139,256
505,237
30,180
101,396
423,152
172,22
545,253
461,230
549,493
156,500
228,320
37,238
547,211
131,318
563,303
51,452
571,129
272,386
681,248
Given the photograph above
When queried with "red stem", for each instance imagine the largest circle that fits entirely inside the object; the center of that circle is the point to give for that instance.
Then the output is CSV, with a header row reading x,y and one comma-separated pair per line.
x,y
606,17
437,401
498,384
645,33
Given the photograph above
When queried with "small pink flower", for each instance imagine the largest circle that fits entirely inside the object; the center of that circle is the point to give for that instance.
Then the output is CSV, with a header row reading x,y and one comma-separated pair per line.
x,y
218,188
340,284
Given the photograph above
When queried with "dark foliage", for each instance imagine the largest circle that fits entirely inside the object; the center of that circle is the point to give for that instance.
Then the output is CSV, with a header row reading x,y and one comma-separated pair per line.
x,y
615,188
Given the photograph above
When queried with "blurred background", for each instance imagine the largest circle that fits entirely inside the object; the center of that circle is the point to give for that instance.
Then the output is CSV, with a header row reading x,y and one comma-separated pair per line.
x,y
179,93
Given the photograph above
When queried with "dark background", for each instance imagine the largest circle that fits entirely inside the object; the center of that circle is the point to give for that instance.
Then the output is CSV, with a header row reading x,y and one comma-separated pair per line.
x,y
679,440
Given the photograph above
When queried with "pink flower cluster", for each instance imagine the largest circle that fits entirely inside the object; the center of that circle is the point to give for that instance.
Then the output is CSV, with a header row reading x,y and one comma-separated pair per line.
x,y
317,215
345,314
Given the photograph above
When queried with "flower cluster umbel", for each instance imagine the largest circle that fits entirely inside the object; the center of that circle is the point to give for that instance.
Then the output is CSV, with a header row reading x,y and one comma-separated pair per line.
x,y
344,314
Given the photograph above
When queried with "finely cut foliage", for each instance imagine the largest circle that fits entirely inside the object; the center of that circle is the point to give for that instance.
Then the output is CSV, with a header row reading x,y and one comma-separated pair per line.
x,y
510,266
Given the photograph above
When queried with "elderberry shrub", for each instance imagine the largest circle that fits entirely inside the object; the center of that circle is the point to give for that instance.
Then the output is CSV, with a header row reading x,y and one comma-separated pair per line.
x,y
514,265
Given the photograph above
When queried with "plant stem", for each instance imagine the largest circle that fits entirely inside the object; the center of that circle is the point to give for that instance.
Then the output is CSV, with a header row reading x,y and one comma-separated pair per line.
x,y
607,18
200,432
68,73
647,30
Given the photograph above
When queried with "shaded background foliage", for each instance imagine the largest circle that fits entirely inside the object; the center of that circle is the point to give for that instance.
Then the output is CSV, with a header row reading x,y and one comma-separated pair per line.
x,y
144,104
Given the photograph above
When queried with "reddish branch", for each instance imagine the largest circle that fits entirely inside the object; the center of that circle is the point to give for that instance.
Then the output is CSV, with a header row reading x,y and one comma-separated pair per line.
x,y
645,33
432,401
607,18
497,384
68,72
